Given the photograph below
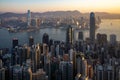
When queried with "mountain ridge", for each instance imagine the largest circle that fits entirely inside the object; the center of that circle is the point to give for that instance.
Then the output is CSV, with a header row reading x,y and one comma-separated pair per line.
x,y
103,15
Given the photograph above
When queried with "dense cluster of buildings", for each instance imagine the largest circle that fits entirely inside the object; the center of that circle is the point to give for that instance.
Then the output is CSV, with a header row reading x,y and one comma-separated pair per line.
x,y
30,20
90,59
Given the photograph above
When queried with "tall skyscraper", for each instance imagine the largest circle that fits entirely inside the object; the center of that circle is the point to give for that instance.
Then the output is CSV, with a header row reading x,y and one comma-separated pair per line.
x,y
31,41
45,38
92,27
15,42
69,38
69,35
28,18
80,36
34,59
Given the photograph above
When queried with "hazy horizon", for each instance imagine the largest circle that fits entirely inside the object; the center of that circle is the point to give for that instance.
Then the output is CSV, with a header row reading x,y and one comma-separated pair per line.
x,y
83,6
54,11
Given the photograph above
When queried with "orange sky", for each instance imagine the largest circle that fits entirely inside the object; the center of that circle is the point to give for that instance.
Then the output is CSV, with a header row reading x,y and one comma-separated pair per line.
x,y
111,6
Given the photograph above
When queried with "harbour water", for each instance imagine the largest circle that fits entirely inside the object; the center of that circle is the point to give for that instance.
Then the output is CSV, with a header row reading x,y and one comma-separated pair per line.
x,y
108,26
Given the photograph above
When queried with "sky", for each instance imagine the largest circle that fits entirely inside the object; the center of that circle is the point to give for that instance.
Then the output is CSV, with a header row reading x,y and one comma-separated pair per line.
x,y
21,6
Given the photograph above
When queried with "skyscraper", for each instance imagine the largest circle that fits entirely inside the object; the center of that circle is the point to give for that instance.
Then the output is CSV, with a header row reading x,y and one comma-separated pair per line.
x,y
101,39
99,72
69,35
45,38
28,18
17,72
27,73
113,39
92,27
69,38
15,42
2,73
108,72
31,41
80,36
67,70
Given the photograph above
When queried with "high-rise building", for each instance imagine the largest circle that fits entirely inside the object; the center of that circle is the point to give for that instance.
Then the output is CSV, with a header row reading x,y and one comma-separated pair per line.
x,y
113,39
108,72
80,36
92,27
57,50
38,53
79,64
15,42
45,49
27,73
90,71
67,70
117,74
28,18
31,41
21,55
58,75
99,72
34,59
69,38
71,54
45,38
69,35
2,73
17,72
101,39
0,63
84,67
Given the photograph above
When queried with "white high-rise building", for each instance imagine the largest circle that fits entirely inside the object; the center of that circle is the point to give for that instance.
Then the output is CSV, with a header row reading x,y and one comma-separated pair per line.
x,y
28,18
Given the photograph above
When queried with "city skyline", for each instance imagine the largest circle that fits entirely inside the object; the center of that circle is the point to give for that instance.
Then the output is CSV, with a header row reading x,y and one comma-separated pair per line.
x,y
60,45
62,5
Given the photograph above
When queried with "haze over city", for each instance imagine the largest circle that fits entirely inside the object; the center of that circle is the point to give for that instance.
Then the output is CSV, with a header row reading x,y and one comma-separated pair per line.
x,y
110,6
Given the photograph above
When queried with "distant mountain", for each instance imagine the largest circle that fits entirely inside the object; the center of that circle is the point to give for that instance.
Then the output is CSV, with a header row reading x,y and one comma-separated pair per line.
x,y
75,13
45,14
103,15
62,13
10,14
